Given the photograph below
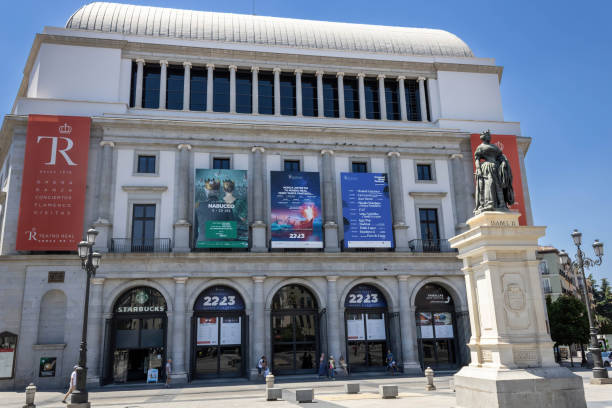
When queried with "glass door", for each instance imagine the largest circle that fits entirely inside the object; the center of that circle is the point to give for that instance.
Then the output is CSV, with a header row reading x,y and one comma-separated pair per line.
x,y
366,340
219,345
294,343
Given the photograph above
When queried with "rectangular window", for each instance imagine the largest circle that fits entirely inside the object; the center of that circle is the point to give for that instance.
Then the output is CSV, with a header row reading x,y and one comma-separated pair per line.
x,y
221,90
371,98
330,96
351,98
287,94
292,165
133,85
175,87
198,84
146,164
265,85
428,218
221,163
360,167
244,91
391,100
150,86
413,100
424,172
143,227
309,95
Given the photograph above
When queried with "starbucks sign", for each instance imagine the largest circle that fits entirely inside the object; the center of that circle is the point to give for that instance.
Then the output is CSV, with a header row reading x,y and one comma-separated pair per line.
x,y
141,300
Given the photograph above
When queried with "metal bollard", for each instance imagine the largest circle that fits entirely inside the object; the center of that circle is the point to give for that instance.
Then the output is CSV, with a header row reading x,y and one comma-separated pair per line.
x,y
30,393
269,381
429,374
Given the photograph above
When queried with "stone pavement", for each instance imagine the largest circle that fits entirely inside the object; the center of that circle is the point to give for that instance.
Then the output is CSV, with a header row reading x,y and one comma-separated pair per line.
x,y
245,394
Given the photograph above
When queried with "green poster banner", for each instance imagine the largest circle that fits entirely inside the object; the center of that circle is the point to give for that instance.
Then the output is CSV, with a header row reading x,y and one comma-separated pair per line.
x,y
221,209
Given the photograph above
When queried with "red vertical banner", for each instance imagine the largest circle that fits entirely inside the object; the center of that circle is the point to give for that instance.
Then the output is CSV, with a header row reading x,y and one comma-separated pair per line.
x,y
507,144
52,203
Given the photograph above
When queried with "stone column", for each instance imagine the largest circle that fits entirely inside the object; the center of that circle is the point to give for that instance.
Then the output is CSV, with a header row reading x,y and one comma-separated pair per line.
x,y
362,104
139,79
277,94
320,100
422,99
255,90
103,224
382,97
181,227
341,113
95,326
186,85
232,69
410,354
298,92
178,330
512,359
333,320
396,188
163,83
210,81
258,228
258,324
330,225
401,90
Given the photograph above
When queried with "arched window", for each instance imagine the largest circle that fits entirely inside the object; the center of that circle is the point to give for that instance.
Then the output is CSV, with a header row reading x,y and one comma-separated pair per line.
x,y
52,318
293,297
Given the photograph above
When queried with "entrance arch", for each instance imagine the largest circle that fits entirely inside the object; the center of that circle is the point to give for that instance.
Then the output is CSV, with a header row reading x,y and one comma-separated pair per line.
x,y
295,330
436,327
219,329
366,320
138,336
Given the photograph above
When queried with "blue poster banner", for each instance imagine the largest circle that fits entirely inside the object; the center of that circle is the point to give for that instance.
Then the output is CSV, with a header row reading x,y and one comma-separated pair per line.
x,y
295,217
219,298
366,210
365,296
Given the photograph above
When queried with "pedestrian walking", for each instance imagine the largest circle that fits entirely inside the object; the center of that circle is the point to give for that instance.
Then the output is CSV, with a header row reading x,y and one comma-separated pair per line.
x,y
168,372
260,365
73,383
322,366
343,365
331,369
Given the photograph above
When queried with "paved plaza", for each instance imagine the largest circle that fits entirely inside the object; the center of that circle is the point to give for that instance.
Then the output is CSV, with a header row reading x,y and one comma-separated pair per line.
x,y
243,394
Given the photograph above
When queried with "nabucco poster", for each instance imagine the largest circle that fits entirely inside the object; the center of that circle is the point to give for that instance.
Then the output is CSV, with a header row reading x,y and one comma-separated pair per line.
x,y
221,209
366,210
295,217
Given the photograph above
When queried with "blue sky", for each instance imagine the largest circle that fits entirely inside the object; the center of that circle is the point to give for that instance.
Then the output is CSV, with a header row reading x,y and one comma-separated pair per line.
x,y
557,81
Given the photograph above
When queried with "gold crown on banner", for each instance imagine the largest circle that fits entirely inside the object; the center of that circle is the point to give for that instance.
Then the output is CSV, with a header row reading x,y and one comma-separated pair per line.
x,y
65,129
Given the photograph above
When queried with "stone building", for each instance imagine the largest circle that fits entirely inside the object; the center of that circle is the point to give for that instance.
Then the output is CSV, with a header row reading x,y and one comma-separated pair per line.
x,y
556,281
171,93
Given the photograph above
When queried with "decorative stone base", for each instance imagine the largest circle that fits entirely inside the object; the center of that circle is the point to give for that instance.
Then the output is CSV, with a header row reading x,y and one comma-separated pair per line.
x,y
412,368
181,237
601,381
553,387
104,230
259,229
80,405
178,378
401,238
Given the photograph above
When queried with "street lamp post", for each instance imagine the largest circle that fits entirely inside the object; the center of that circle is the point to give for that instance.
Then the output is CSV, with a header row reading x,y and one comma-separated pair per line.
x,y
578,265
90,261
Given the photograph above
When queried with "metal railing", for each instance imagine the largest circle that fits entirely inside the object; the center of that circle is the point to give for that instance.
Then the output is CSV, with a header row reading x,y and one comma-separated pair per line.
x,y
126,245
430,245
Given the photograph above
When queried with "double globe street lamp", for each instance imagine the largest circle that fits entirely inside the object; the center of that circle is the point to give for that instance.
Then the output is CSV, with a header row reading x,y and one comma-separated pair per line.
x,y
578,265
90,261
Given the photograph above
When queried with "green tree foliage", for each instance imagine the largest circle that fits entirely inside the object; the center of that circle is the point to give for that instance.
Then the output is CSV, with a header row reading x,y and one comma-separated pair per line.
x,y
569,323
602,296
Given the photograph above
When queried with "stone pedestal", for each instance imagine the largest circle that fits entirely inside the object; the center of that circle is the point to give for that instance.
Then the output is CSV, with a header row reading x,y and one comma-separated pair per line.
x,y
331,237
401,237
259,237
512,361
181,237
104,230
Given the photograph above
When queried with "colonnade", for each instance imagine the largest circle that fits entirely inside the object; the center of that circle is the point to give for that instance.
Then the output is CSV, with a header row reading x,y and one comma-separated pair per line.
x,y
403,106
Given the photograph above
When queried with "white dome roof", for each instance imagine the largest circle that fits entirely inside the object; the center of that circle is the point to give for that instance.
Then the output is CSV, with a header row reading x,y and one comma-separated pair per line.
x,y
270,31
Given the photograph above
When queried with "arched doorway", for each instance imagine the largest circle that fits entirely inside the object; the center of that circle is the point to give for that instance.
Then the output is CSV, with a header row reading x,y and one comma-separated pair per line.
x,y
436,327
295,330
219,330
138,335
367,328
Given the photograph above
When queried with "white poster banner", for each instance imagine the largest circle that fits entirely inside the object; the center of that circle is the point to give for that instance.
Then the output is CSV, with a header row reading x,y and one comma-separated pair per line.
x,y
231,330
208,331
425,325
444,325
6,362
376,326
355,328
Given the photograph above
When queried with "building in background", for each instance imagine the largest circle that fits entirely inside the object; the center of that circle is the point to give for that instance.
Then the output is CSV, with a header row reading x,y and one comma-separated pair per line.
x,y
555,280
262,186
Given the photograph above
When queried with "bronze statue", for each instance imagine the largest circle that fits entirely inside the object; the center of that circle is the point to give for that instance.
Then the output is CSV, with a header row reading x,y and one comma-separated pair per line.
x,y
493,177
